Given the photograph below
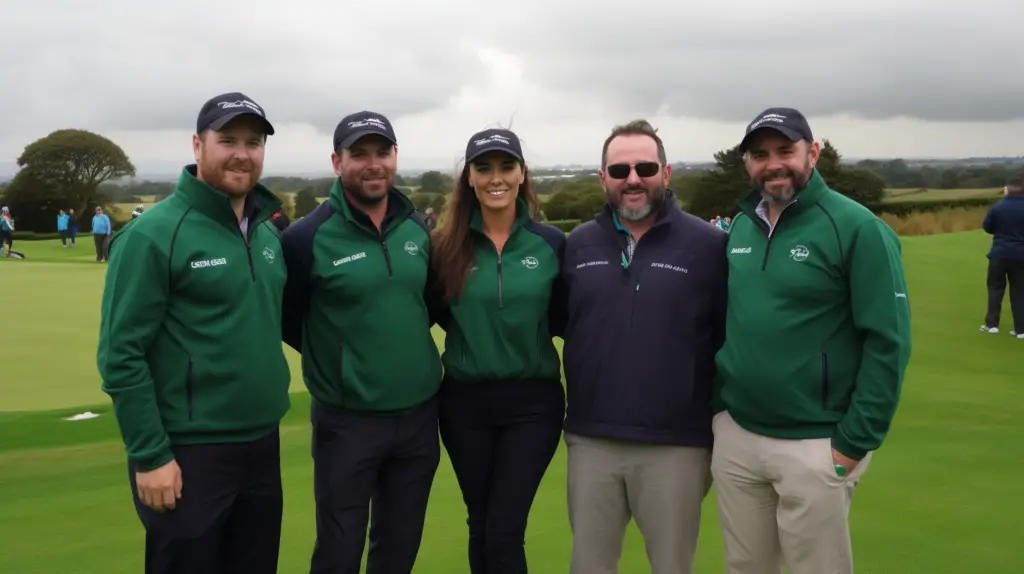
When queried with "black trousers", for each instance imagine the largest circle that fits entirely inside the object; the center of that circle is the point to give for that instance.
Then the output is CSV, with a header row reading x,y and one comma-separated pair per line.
x,y
228,519
102,244
1001,272
357,458
500,438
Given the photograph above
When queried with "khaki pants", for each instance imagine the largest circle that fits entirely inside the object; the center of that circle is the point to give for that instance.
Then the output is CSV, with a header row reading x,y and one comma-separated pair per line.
x,y
662,487
781,502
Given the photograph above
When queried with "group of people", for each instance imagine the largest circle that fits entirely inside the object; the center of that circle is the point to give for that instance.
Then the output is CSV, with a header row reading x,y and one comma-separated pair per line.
x,y
102,229
722,223
787,359
67,227
1005,223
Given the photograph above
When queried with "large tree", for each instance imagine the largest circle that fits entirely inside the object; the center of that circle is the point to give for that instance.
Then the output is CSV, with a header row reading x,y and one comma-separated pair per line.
x,y
718,190
69,166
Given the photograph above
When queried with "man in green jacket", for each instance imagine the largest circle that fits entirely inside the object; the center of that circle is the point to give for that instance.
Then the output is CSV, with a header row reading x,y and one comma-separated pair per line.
x,y
190,353
356,308
817,342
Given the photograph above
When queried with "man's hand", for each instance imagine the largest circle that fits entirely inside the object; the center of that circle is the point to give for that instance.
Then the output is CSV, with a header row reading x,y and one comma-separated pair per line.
x,y
160,489
839,458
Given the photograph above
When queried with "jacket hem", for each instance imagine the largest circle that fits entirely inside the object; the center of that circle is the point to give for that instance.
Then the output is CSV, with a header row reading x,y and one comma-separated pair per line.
x,y
359,408
795,431
691,437
226,436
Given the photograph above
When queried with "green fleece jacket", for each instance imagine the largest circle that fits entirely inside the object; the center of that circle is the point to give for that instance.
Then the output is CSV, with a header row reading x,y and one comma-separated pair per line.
x,y
190,331
500,329
818,323
358,308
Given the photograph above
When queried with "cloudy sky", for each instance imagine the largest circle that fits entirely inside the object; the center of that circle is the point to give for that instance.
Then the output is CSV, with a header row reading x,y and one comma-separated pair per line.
x,y
880,78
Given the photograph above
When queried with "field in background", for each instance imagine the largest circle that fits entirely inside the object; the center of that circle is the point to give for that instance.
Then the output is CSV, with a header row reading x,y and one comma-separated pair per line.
x,y
922,194
941,496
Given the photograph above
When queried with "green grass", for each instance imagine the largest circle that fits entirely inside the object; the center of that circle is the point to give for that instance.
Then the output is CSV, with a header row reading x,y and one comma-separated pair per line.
x,y
915,194
943,494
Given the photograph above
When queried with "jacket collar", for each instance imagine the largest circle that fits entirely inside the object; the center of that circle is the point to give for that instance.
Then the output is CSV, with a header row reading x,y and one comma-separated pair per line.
x,y
260,203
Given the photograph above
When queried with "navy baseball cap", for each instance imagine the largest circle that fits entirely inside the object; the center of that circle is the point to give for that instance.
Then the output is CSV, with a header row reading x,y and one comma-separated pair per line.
x,y
494,140
787,121
361,124
219,110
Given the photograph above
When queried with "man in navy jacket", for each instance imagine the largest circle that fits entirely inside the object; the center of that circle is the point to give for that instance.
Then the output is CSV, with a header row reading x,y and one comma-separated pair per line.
x,y
645,291
1005,222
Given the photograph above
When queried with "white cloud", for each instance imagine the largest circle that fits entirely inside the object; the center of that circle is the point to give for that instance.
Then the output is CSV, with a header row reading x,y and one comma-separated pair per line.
x,y
880,78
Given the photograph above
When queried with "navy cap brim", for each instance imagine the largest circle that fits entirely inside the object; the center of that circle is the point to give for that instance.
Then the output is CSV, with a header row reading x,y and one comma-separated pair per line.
x,y
353,138
792,135
480,152
220,122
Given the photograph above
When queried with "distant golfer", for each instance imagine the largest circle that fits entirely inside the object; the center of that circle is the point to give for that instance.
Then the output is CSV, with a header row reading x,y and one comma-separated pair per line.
x,y
817,340
6,231
101,232
356,307
190,353
1005,222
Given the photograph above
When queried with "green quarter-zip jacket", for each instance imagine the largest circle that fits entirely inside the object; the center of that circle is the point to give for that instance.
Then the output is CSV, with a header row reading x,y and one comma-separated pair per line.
x,y
190,332
358,308
500,329
818,322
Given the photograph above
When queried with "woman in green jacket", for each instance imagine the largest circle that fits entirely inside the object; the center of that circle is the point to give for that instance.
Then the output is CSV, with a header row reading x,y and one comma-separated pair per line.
x,y
502,400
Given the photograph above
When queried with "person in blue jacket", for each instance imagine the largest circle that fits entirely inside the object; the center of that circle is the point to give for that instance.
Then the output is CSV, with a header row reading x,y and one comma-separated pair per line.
x,y
501,401
1005,222
101,231
62,228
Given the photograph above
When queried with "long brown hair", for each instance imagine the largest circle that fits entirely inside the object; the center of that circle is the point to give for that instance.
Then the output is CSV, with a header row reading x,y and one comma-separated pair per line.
x,y
453,241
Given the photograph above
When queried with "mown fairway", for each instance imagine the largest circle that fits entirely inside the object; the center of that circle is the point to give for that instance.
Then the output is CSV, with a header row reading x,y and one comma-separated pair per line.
x,y
943,495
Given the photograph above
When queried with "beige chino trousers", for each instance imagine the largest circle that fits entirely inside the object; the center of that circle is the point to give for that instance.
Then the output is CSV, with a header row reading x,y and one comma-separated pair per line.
x,y
661,487
781,502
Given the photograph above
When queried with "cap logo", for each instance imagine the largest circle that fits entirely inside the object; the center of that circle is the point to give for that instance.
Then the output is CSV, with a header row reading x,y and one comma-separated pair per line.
x,y
374,122
241,104
493,139
776,118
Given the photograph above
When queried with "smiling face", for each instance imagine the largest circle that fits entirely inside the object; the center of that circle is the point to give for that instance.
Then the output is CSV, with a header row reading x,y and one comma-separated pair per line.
x,y
778,167
367,168
495,178
634,179
231,160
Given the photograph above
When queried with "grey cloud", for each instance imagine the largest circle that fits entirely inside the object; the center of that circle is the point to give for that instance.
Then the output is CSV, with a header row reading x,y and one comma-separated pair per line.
x,y
871,59
146,67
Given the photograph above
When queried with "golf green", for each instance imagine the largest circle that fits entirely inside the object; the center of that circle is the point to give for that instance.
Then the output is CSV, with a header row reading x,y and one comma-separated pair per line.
x,y
942,495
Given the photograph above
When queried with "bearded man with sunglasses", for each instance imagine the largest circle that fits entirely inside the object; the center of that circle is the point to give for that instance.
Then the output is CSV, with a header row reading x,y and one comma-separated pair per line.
x,y
645,286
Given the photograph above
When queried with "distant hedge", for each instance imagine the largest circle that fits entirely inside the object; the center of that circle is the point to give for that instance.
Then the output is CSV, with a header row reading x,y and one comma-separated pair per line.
x,y
565,225
33,236
904,208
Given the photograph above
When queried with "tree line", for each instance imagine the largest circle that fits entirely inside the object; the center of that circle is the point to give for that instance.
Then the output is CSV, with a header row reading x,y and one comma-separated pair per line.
x,y
79,169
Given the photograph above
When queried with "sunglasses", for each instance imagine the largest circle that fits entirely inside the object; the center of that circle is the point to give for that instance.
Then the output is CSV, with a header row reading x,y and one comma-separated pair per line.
x,y
643,169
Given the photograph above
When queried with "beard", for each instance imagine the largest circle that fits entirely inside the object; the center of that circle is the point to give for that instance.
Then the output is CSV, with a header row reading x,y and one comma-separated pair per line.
x,y
357,190
234,179
785,195
654,199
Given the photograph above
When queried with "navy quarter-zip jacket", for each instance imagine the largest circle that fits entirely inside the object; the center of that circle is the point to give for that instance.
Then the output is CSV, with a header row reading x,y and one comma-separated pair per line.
x,y
640,339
